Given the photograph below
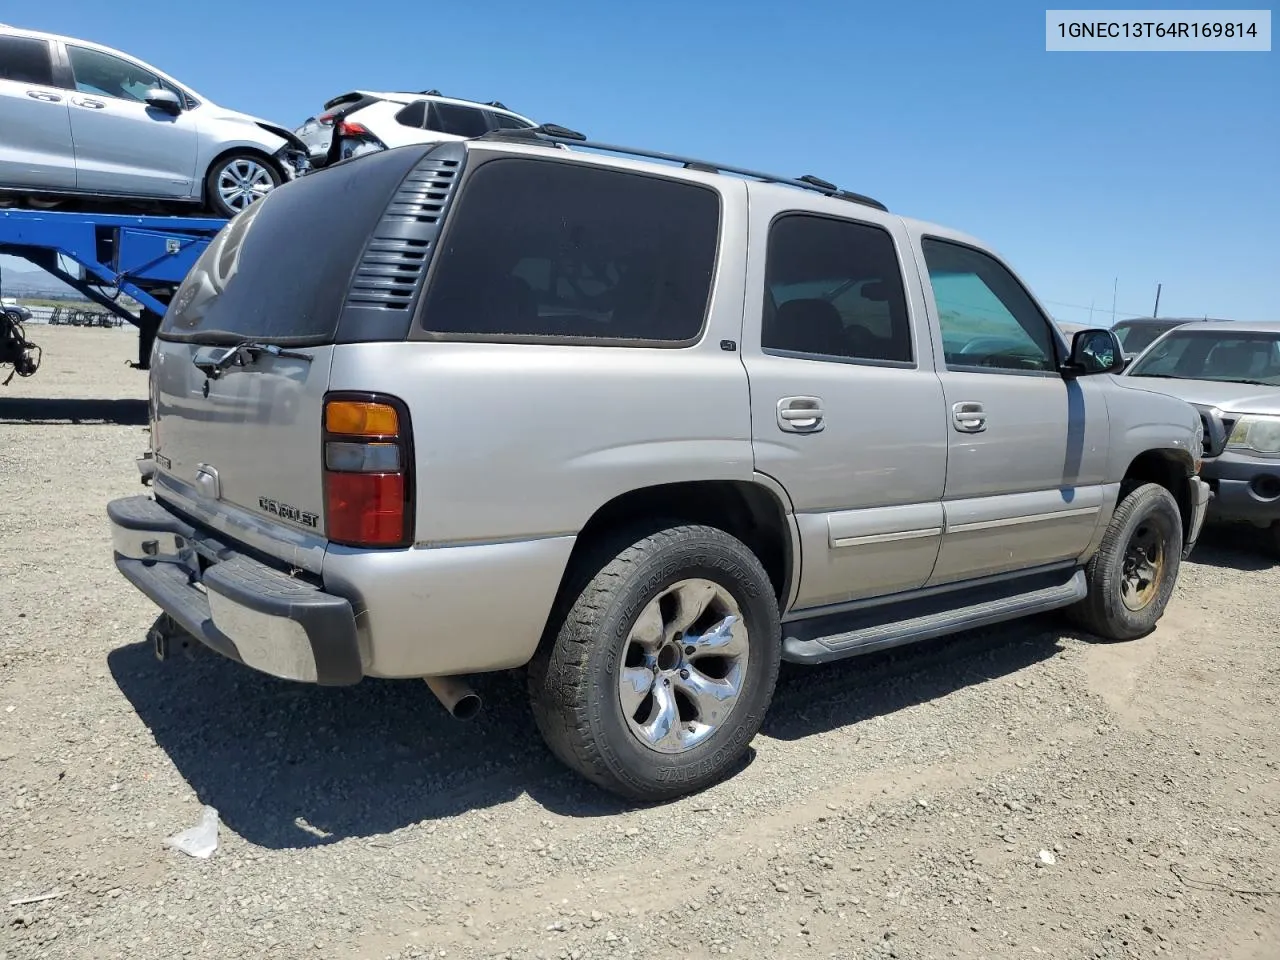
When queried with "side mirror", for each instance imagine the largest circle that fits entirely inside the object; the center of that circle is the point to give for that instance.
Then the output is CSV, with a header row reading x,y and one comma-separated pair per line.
x,y
165,100
1094,351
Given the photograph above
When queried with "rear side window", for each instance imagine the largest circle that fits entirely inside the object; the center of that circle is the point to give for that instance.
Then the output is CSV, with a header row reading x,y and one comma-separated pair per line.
x,y
572,252
26,60
459,121
414,115
834,289
502,121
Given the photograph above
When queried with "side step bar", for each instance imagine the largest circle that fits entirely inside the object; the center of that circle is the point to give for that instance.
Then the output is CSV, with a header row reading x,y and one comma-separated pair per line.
x,y
824,639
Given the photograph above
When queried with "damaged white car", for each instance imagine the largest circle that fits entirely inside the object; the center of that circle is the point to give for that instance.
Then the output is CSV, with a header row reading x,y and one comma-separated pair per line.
x,y
83,120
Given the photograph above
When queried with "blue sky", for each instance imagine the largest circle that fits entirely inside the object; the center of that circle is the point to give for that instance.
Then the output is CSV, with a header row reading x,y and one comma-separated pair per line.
x,y
1078,167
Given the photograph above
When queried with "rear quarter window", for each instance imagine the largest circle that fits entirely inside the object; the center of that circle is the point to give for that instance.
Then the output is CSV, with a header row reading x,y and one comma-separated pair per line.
x,y
26,60
569,252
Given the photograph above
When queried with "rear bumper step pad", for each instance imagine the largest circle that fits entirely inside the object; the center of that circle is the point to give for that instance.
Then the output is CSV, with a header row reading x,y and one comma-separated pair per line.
x,y
239,607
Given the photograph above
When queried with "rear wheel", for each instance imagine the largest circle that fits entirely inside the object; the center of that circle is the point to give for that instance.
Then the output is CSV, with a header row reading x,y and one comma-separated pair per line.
x,y
238,180
1133,573
658,675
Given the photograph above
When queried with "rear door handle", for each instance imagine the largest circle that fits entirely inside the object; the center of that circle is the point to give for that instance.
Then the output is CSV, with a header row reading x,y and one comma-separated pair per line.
x,y
91,104
44,95
800,414
968,416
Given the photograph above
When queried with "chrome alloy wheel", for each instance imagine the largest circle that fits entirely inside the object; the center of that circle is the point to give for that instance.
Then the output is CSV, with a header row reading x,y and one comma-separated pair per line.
x,y
242,182
684,666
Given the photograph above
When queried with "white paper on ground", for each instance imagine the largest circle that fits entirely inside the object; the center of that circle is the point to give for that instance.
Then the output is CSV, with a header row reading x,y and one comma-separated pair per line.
x,y
200,840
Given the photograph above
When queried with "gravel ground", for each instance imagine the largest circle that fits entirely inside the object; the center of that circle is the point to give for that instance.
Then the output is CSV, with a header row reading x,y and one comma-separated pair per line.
x,y
1013,793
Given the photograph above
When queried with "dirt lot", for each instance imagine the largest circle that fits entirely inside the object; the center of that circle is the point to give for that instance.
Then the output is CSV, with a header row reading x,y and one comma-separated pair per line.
x,y
893,807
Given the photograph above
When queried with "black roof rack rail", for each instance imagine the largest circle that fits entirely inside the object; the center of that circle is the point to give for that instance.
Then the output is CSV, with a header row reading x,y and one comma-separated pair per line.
x,y
488,103
553,133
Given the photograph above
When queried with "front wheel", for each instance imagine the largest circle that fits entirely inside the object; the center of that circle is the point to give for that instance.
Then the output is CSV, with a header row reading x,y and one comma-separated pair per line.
x,y
656,678
1132,575
238,180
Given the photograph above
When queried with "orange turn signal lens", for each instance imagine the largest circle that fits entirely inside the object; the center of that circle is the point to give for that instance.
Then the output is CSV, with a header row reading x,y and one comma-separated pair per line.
x,y
357,418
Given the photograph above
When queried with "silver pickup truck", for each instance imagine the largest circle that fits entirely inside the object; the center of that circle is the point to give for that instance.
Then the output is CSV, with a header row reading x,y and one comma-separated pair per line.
x,y
642,428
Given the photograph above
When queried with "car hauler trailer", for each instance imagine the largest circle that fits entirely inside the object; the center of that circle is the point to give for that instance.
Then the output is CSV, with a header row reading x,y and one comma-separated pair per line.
x,y
142,257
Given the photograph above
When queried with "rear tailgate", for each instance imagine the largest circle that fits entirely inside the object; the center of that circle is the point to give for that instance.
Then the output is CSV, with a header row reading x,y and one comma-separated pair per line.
x,y
239,446
317,132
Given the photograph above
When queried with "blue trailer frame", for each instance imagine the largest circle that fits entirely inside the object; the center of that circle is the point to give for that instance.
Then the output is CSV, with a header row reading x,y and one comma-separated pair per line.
x,y
144,257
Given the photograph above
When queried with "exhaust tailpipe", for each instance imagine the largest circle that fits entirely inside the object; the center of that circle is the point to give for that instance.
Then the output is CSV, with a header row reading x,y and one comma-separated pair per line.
x,y
460,700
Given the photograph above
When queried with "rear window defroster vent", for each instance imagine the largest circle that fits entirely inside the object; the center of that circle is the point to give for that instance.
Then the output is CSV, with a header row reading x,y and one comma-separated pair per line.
x,y
395,258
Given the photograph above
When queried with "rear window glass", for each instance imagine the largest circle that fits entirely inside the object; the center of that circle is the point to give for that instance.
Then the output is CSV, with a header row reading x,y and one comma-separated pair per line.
x,y
280,270
26,60
571,252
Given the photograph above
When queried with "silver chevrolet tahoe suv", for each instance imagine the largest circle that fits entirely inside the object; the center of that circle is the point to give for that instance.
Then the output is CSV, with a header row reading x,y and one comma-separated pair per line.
x,y
642,428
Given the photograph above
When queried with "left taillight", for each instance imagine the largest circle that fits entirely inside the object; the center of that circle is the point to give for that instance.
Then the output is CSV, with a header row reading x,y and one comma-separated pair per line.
x,y
368,471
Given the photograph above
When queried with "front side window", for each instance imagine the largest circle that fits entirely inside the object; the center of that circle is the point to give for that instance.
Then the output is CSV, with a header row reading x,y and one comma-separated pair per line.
x,y
1238,358
102,74
988,320
26,60
834,289
569,251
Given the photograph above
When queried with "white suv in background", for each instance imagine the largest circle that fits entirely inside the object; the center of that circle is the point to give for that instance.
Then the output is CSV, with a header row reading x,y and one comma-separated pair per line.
x,y
362,122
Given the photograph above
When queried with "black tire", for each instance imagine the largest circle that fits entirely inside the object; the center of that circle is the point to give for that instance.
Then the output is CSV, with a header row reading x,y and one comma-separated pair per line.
x,y
1103,612
574,676
213,198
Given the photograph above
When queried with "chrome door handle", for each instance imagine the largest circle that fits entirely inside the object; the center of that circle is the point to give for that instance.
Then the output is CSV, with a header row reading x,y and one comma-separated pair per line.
x,y
42,95
968,416
91,104
800,414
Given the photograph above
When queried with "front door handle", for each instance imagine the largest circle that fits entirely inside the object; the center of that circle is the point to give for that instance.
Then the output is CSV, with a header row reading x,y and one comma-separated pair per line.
x,y
91,104
800,414
44,95
968,416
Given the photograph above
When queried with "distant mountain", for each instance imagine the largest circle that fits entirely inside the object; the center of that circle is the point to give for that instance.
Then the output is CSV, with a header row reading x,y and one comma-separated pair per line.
x,y
20,279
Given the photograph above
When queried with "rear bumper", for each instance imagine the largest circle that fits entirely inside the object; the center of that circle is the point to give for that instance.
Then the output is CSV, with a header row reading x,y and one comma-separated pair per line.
x,y
236,605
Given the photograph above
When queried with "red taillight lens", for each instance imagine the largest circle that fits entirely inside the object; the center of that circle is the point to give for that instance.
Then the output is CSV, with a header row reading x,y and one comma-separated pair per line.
x,y
348,129
367,471
366,509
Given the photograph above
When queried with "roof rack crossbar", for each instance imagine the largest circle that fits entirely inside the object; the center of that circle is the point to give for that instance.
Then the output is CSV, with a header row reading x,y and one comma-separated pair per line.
x,y
552,133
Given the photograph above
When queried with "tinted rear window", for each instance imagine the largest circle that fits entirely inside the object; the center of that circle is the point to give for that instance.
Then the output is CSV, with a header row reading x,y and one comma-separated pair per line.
x,y
280,270
26,60
569,251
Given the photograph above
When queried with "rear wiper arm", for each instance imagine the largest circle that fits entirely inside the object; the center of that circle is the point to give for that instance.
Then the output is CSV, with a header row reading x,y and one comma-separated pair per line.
x,y
213,361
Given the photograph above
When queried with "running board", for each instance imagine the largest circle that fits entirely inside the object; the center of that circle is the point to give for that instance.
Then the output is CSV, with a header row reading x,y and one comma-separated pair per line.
x,y
879,629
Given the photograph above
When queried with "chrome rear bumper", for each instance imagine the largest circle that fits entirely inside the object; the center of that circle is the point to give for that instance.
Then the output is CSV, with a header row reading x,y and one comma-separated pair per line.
x,y
231,602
